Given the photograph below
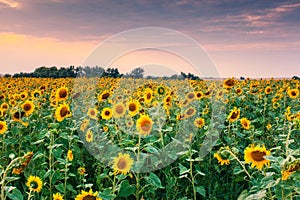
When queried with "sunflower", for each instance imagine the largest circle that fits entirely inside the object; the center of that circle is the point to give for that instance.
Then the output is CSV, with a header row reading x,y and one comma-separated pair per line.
x,y
190,112
4,106
161,90
81,171
16,115
190,96
118,110
62,112
290,168
70,155
269,126
84,124
133,107
92,113
180,117
293,93
3,127
34,183
239,91
222,156
89,136
36,94
61,94
87,195
144,125
103,96
148,95
106,113
268,90
57,196
199,95
229,83
245,123
28,107
122,163
233,115
255,155
168,101
24,95
24,163
199,122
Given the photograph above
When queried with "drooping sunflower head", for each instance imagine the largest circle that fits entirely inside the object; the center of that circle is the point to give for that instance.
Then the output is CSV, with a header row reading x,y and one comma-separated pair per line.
x,y
144,125
62,112
256,155
3,127
34,183
245,123
87,195
118,110
122,163
85,123
62,94
104,95
290,168
28,107
17,115
234,115
222,156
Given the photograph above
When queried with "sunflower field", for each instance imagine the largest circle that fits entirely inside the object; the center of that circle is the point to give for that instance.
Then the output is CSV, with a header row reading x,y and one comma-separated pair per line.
x,y
122,138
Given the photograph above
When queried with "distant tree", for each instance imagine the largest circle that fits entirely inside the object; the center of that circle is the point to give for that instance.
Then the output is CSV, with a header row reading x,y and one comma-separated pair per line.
x,y
7,75
136,73
112,72
296,78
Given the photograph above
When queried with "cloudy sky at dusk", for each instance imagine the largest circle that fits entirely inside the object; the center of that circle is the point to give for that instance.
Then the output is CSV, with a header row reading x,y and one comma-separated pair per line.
x,y
243,37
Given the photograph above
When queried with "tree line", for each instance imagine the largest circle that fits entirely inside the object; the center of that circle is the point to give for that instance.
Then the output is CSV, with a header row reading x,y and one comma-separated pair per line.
x,y
72,71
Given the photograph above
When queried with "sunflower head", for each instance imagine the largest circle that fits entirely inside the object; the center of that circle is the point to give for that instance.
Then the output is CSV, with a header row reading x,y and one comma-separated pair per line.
x,y
28,107
223,156
122,163
245,123
234,115
256,155
118,110
3,127
87,195
293,93
290,168
199,122
229,83
62,112
92,113
34,183
144,125
62,94
57,196
106,113
89,136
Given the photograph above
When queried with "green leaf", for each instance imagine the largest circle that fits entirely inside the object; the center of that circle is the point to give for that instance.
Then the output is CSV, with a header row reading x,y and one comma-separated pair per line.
x,y
126,189
60,187
200,190
15,195
183,169
154,180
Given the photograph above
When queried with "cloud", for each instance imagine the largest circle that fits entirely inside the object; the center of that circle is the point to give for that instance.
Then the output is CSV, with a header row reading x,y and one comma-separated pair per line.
x,y
9,3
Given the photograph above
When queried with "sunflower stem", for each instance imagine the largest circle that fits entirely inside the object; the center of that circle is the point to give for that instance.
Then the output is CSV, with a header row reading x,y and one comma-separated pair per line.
x,y
29,195
236,158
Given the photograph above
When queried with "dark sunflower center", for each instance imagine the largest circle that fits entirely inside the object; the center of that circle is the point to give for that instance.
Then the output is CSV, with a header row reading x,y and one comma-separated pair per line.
x,y
293,93
229,82
1,96
191,96
1,126
92,112
22,96
105,95
89,197
168,99
132,107
122,163
63,93
199,95
4,106
199,122
148,96
146,125
107,113
119,109
190,111
234,115
34,185
258,155
27,107
63,112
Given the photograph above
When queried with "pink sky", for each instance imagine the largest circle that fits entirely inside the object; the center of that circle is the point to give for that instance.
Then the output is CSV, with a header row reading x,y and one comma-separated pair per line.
x,y
258,41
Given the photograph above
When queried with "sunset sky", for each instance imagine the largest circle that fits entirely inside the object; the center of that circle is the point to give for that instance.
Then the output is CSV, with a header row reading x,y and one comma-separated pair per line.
x,y
242,37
